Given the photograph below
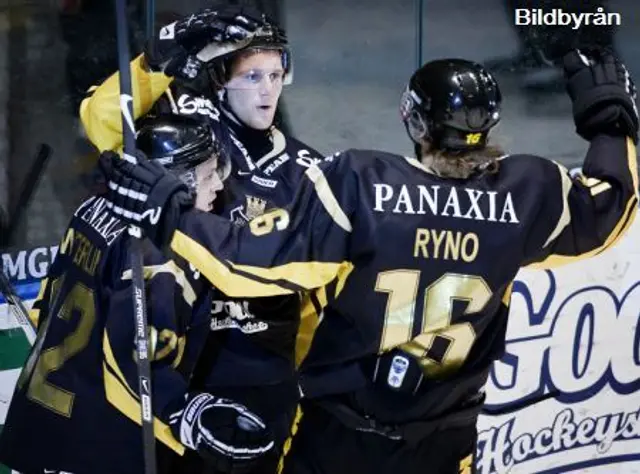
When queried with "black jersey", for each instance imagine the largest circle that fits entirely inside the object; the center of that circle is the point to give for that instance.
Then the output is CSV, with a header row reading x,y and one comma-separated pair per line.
x,y
252,340
399,257
76,407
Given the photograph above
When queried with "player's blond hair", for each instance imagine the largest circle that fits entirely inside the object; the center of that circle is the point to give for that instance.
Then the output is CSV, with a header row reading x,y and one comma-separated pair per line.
x,y
461,165
248,52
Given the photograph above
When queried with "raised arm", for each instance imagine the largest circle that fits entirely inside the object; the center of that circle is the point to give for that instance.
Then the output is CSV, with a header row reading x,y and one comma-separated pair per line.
x,y
300,247
585,215
100,111
180,50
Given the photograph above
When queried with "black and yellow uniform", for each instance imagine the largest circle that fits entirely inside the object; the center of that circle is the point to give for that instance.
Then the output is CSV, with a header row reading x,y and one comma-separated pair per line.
x,y
398,257
267,166
78,392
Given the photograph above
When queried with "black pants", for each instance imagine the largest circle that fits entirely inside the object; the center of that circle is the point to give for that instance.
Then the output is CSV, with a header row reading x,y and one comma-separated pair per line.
x,y
323,445
192,463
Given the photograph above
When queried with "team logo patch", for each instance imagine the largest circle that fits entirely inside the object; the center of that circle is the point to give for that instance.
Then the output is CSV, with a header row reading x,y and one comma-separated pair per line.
x,y
255,207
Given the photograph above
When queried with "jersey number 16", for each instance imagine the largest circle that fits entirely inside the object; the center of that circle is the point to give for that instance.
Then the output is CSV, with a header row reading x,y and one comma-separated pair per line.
x,y
441,347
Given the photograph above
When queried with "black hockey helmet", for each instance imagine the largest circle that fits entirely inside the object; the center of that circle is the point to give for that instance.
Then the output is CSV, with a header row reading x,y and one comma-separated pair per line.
x,y
268,36
179,143
452,103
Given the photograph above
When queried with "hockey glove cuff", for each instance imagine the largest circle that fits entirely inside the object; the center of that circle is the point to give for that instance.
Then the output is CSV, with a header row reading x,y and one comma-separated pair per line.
x,y
226,434
181,48
145,195
603,94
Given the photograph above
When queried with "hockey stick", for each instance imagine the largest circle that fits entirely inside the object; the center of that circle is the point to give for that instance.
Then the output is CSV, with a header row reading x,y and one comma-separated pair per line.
x,y
137,280
419,5
17,307
150,24
27,190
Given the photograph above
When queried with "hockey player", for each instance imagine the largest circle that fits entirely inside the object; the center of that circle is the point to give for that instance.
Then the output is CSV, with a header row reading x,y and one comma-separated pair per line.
x,y
77,395
403,254
228,66
241,61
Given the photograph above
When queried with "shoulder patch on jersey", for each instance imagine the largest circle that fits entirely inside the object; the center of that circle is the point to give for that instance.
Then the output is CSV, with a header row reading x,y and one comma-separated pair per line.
x,y
253,207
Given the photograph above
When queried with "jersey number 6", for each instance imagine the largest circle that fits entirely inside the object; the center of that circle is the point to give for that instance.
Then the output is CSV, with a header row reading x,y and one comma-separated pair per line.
x,y
277,219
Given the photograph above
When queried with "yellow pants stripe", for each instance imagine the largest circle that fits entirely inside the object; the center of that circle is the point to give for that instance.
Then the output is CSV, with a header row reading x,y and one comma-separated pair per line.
x,y
287,444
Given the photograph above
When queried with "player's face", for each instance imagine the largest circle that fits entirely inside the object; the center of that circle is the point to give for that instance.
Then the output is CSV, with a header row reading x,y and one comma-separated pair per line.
x,y
208,183
255,87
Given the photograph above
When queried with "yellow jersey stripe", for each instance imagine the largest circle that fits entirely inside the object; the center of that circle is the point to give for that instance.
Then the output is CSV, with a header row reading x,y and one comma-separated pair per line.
x,y
171,268
251,281
120,395
328,199
310,318
287,444
565,217
506,297
623,224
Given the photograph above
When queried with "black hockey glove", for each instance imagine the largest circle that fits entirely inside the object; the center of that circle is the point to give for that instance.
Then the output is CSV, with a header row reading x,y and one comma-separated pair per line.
x,y
226,434
182,48
603,94
145,195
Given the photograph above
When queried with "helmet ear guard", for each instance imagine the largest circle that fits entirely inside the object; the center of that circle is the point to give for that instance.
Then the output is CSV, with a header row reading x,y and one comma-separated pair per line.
x,y
414,121
287,64
224,166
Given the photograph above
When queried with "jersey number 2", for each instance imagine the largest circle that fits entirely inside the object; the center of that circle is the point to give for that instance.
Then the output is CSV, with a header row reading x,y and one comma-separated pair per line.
x,y
80,301
440,347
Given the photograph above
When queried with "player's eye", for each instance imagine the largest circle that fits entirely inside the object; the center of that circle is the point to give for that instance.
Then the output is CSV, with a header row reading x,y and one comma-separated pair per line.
x,y
253,76
276,76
